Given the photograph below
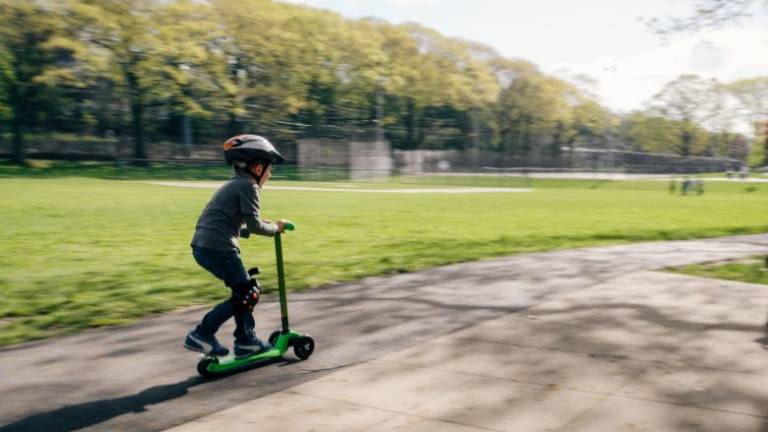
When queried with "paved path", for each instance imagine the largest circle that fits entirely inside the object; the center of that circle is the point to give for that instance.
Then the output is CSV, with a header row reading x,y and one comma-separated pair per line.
x,y
603,345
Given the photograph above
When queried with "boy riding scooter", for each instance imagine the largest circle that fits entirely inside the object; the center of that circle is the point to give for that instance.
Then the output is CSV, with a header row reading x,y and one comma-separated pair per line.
x,y
233,212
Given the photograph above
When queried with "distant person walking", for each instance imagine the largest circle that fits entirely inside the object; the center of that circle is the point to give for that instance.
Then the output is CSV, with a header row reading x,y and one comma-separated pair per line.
x,y
686,186
744,172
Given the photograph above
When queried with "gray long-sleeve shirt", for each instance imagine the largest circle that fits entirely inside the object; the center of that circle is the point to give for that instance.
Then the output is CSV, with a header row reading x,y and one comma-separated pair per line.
x,y
235,203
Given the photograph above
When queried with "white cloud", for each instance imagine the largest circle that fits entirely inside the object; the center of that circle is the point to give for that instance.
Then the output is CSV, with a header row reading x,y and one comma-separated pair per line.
x,y
626,82
362,3
412,2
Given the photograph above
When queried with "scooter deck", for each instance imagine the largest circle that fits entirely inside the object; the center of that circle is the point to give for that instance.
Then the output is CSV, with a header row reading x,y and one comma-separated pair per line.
x,y
229,363
214,365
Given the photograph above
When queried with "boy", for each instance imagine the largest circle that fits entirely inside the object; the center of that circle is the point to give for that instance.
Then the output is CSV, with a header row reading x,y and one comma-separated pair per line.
x,y
233,212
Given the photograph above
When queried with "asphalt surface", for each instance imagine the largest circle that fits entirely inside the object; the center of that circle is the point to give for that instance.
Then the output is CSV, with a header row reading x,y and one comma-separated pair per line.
x,y
137,377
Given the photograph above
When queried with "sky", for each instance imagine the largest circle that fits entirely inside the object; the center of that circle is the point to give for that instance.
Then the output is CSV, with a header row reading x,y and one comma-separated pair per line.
x,y
607,40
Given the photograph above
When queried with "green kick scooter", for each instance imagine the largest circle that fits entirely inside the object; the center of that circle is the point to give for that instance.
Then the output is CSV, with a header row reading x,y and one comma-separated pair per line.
x,y
303,345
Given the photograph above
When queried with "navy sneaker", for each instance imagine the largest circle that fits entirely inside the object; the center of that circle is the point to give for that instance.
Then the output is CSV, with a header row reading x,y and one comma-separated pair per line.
x,y
251,347
207,344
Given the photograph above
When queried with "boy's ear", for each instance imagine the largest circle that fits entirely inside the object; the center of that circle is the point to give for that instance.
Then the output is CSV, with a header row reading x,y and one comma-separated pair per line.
x,y
257,169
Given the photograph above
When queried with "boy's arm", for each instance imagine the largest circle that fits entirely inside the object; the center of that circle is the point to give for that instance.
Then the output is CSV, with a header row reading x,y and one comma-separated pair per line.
x,y
258,226
250,209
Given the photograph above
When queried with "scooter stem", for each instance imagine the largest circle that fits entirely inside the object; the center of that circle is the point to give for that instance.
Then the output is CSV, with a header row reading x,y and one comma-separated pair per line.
x,y
281,279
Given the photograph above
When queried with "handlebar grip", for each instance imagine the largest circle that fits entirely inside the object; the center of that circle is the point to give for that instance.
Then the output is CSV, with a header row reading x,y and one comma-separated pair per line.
x,y
290,226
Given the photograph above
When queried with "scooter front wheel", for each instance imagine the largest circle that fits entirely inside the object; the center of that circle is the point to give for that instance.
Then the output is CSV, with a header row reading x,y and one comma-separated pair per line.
x,y
303,347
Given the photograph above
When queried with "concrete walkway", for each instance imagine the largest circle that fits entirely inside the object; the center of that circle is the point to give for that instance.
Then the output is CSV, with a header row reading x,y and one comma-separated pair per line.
x,y
646,351
573,340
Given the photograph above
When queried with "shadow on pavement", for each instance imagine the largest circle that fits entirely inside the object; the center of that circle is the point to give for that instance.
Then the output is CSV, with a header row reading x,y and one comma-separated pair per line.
x,y
763,341
76,417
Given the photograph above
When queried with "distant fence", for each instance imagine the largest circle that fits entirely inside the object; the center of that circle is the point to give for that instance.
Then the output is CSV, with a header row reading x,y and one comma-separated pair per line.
x,y
74,147
355,156
601,160
360,159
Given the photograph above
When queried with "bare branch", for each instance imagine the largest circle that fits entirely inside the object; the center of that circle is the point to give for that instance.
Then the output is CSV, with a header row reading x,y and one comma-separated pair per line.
x,y
710,14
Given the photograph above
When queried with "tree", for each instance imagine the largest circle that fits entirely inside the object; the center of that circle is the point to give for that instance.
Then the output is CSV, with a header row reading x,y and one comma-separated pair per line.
x,y
650,132
711,14
191,75
284,62
25,30
690,101
534,112
5,79
122,39
590,122
752,94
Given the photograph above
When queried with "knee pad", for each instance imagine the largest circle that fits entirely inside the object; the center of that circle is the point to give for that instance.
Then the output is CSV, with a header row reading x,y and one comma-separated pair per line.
x,y
246,295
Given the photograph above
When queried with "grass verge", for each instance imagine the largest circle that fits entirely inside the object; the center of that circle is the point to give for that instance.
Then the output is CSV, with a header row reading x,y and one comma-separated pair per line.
x,y
751,270
83,252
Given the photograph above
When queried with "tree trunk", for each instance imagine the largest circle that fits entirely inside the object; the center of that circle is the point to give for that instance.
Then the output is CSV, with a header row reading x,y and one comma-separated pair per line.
x,y
186,127
765,147
18,155
137,113
686,139
17,125
526,143
410,124
555,149
233,125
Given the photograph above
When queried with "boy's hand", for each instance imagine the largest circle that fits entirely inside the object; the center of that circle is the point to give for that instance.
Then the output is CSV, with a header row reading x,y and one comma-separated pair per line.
x,y
281,225
244,233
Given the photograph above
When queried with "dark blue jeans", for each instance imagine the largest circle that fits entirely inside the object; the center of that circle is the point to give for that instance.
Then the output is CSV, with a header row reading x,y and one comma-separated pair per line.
x,y
227,266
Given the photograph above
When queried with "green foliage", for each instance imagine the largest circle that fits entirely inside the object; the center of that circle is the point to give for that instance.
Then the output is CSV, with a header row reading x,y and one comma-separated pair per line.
x,y
758,156
27,30
656,133
148,69
753,97
689,102
6,76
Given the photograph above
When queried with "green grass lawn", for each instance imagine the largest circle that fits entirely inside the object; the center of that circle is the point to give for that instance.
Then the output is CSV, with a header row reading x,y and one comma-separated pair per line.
x,y
751,270
85,252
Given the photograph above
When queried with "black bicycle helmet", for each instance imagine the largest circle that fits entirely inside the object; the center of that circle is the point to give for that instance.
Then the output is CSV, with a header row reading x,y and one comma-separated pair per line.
x,y
248,148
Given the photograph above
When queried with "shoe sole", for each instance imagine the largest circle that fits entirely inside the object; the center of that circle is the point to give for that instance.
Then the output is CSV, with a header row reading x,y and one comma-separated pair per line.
x,y
206,347
202,350
193,349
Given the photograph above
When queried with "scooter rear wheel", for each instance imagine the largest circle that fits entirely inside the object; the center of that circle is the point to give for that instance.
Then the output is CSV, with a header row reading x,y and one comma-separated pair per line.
x,y
202,368
303,347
